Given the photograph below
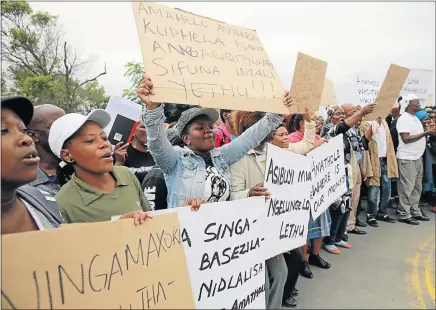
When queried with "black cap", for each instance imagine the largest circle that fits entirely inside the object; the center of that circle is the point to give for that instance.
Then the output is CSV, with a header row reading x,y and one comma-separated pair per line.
x,y
22,106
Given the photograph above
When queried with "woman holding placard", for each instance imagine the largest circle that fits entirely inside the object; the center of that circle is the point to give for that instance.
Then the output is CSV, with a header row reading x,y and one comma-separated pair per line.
x,y
198,170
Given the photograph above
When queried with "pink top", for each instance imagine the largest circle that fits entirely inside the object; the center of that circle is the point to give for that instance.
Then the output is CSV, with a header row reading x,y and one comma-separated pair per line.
x,y
220,140
297,136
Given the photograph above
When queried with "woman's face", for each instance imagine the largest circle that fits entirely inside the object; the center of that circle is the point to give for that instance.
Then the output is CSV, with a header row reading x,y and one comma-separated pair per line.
x,y
140,132
19,156
279,138
318,125
200,136
89,150
338,115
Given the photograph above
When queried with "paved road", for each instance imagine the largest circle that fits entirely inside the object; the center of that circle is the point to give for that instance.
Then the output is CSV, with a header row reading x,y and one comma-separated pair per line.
x,y
393,266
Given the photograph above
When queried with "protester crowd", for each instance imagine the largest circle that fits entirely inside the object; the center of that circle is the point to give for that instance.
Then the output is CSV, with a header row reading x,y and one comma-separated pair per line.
x,y
61,168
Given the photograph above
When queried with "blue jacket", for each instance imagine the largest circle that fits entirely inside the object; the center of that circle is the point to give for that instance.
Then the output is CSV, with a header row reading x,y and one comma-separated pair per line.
x,y
183,170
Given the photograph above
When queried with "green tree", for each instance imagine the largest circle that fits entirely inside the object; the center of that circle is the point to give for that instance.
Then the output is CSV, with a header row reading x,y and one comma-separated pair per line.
x,y
37,63
134,74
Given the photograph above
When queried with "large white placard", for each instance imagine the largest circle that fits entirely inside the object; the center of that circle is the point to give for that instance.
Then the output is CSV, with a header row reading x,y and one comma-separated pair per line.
x,y
418,82
328,173
288,179
225,251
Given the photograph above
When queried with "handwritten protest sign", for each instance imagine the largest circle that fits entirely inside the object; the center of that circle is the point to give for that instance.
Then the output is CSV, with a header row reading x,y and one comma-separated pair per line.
x,y
100,266
430,100
418,82
288,179
328,97
328,173
389,92
197,60
368,86
225,250
307,83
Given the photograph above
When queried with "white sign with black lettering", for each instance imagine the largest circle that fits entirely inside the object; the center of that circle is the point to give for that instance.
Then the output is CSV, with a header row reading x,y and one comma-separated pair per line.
x,y
225,251
328,172
288,179
419,83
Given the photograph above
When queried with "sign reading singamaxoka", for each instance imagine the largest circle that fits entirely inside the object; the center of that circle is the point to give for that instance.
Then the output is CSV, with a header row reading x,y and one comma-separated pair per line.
x,y
109,265
197,60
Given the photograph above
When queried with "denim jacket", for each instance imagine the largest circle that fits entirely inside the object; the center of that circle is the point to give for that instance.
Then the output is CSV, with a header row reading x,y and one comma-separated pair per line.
x,y
183,170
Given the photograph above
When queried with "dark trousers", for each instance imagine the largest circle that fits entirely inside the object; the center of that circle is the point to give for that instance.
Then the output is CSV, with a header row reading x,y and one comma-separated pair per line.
x,y
339,226
293,260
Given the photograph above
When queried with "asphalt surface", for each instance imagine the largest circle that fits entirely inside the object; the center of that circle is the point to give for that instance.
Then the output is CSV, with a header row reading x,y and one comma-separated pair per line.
x,y
392,266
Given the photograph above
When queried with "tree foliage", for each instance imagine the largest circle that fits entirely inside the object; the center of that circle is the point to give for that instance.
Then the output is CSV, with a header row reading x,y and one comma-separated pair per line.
x,y
134,74
39,64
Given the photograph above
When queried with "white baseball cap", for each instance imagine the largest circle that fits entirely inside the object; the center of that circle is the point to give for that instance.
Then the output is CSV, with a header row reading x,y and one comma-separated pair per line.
x,y
66,126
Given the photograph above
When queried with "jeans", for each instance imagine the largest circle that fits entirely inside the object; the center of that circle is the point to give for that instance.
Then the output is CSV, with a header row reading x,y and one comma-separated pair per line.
x,y
293,259
378,197
339,226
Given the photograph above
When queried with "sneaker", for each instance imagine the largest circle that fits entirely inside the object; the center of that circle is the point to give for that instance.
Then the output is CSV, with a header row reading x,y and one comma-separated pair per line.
x,y
345,237
291,302
332,249
295,292
343,244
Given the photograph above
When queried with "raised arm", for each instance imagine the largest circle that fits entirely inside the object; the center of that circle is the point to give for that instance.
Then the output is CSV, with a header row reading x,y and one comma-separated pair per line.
x,y
160,147
356,117
251,138
308,143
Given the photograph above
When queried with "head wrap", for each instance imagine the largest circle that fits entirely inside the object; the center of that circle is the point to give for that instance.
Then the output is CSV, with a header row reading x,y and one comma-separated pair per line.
x,y
405,101
331,110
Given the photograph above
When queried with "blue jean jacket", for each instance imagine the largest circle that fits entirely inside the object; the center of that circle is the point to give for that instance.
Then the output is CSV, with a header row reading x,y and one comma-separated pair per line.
x,y
184,171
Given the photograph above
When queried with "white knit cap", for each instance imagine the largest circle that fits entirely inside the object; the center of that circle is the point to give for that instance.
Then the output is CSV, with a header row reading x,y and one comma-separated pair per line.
x,y
405,100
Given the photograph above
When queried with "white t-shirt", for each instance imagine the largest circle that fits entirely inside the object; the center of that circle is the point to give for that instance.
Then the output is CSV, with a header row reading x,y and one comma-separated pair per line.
x,y
380,137
216,187
410,124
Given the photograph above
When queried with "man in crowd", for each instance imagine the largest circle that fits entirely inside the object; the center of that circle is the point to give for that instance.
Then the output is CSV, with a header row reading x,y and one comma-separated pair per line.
x,y
354,138
411,147
380,169
39,128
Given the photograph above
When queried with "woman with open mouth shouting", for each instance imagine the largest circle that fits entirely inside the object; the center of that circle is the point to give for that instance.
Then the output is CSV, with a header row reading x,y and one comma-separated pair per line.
x,y
93,189
198,169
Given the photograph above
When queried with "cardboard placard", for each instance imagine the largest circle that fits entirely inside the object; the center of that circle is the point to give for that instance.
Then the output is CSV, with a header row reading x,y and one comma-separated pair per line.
x,y
196,60
100,266
328,97
389,92
307,83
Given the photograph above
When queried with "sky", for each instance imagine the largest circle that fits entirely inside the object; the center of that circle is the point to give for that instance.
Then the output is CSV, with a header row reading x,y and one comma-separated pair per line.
x,y
352,37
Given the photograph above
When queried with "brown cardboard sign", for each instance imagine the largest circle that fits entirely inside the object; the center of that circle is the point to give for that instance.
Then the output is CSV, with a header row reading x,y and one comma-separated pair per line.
x,y
389,92
100,266
307,84
328,97
196,60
